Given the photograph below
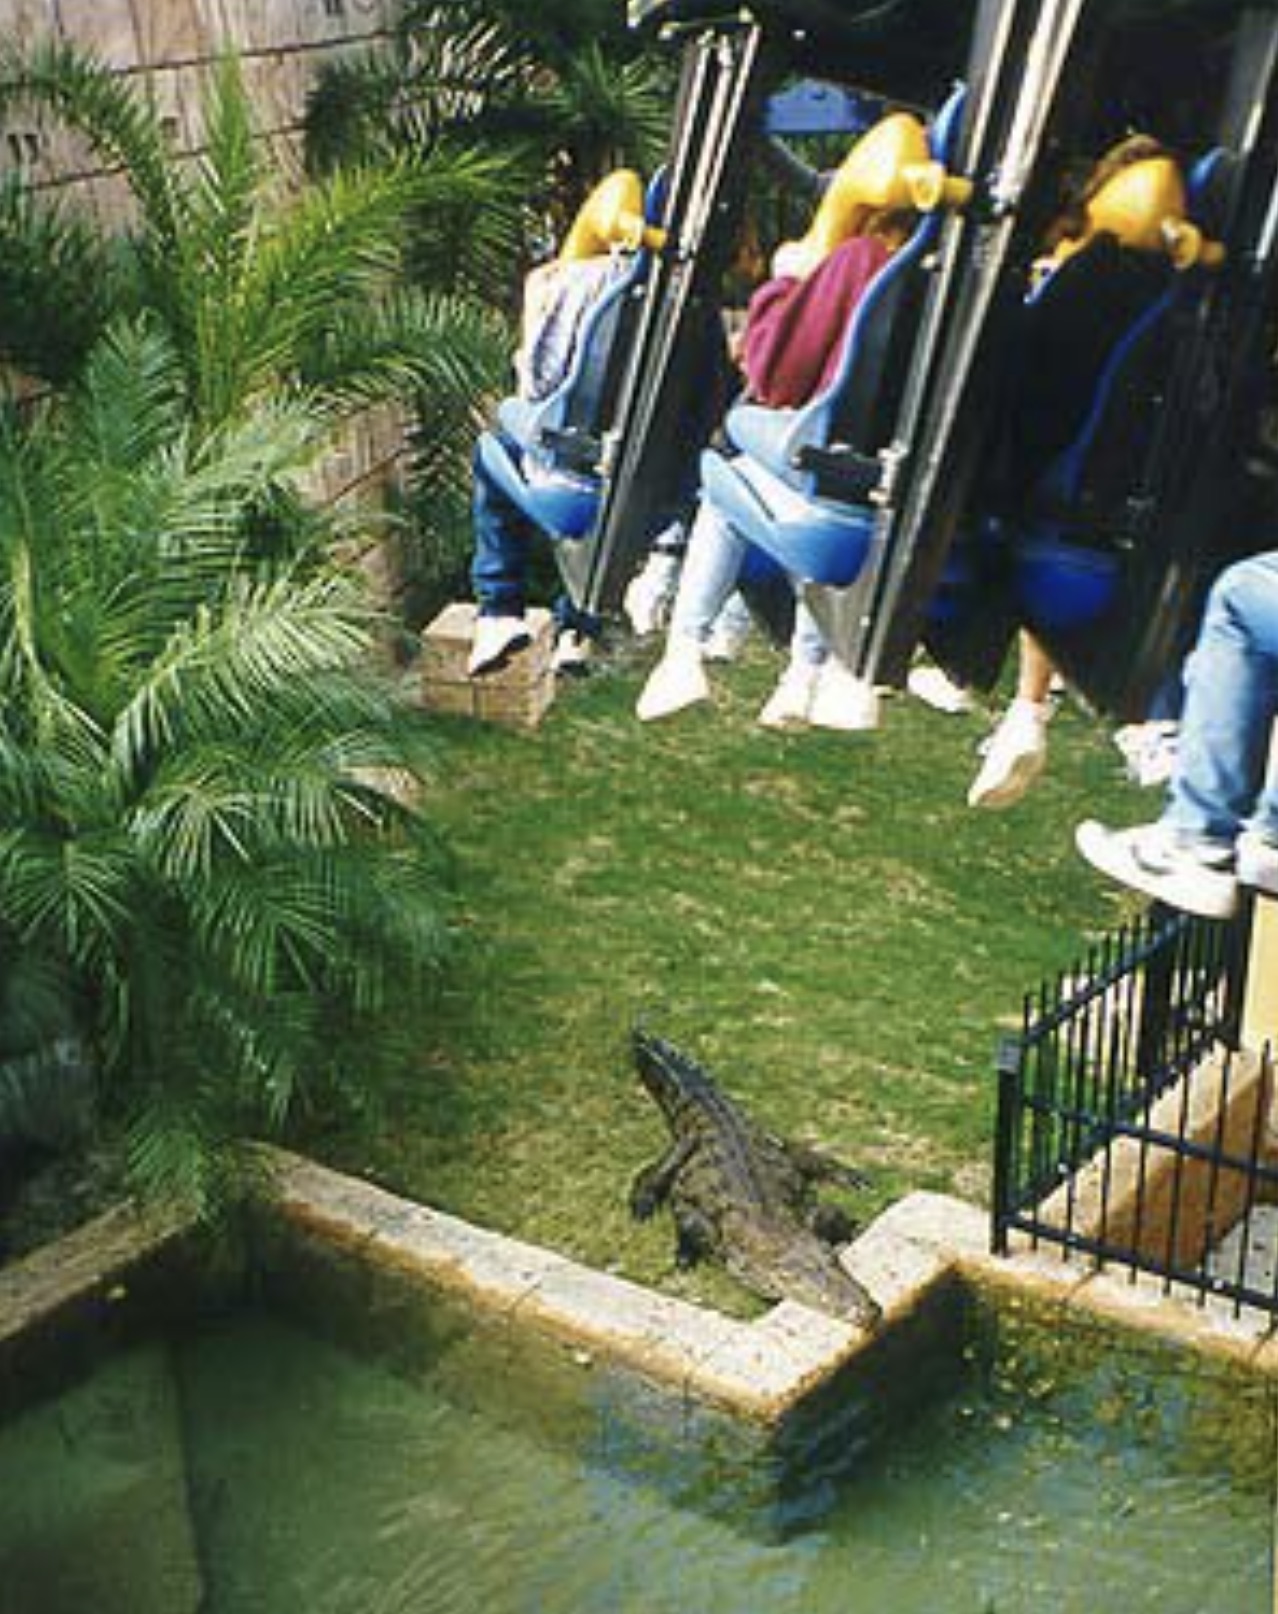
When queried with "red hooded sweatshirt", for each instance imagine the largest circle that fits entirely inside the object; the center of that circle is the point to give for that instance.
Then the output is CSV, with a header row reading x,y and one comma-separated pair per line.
x,y
794,328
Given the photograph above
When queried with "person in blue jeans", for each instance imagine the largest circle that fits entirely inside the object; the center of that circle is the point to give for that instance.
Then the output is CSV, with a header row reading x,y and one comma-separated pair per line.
x,y
558,297
1219,829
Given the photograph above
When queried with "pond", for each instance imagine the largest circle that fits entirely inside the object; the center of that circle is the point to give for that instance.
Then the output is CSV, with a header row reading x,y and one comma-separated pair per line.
x,y
255,1467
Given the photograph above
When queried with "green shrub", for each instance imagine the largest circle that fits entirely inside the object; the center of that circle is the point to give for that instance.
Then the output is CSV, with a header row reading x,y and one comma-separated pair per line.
x,y
201,845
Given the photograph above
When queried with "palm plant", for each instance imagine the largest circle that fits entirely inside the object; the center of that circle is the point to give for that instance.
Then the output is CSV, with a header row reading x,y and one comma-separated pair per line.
x,y
260,291
197,859
559,94
256,289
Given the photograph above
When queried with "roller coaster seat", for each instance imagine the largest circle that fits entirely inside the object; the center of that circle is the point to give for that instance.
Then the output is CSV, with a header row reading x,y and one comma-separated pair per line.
x,y
799,484
544,454
1066,573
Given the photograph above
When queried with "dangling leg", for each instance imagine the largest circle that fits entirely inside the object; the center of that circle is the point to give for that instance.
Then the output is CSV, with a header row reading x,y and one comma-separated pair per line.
x,y
651,591
790,704
498,570
1219,805
841,701
1016,752
710,570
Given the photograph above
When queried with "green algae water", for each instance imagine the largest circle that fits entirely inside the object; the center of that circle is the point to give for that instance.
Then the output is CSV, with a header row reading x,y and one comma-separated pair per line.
x,y
255,1469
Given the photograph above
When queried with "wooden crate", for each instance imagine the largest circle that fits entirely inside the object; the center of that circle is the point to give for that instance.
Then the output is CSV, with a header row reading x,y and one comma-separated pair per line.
x,y
517,695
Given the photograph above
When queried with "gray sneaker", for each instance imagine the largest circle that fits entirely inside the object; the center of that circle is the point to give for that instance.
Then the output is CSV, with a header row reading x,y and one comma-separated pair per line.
x,y
1258,862
1195,876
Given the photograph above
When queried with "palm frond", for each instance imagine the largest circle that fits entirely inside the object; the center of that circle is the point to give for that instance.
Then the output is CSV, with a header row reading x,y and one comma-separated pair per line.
x,y
336,246
47,1093
225,189
179,1149
608,117
220,665
130,402
449,63
58,279
349,110
106,108
72,892
412,342
471,220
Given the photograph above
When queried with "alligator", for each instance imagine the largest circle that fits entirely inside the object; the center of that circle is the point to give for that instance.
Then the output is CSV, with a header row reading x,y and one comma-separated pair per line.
x,y
742,1195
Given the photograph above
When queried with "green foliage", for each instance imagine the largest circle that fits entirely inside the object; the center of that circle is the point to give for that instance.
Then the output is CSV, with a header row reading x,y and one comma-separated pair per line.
x,y
256,290
57,284
371,283
202,847
557,95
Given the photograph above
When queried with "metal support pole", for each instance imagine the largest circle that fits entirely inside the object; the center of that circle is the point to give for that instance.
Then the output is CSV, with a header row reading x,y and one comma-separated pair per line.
x,y
1260,991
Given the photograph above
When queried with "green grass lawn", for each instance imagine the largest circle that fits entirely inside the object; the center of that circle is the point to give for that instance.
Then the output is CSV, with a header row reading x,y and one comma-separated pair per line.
x,y
817,917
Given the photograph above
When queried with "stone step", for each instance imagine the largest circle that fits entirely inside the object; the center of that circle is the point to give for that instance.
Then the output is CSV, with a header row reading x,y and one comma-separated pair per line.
x,y
518,694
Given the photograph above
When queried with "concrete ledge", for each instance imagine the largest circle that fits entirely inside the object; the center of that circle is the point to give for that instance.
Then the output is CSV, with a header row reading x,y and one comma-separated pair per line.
x,y
762,1370
67,1303
759,1369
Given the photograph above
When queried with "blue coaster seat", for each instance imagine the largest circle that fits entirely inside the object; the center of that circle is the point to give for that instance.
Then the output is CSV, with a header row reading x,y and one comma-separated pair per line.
x,y
771,490
1066,575
544,455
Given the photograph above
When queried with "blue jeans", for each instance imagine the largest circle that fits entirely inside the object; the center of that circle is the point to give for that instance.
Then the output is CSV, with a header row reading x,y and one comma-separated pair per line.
x,y
711,566
1231,700
503,537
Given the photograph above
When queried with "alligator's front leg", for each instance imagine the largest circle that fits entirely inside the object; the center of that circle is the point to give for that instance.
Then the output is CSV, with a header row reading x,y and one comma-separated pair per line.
x,y
696,1236
831,1224
651,1187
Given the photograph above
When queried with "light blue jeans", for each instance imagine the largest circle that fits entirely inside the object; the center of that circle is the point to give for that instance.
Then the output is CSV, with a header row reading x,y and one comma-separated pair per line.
x,y
1231,700
711,566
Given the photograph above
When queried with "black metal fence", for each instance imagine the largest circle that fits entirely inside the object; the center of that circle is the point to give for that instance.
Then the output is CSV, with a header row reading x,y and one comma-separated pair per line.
x,y
1131,1129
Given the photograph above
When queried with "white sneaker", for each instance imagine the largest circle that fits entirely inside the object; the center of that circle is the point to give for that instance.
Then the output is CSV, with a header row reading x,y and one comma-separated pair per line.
x,y
496,639
571,655
1258,862
790,702
729,632
648,599
938,690
843,701
1192,875
678,680
1015,755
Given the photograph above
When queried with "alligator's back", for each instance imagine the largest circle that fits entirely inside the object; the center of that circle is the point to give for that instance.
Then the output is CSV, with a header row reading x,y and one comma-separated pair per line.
x,y
737,1192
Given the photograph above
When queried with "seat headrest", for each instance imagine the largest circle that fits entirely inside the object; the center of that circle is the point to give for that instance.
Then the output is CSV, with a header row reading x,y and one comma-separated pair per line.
x,y
1138,202
870,179
611,216
1145,207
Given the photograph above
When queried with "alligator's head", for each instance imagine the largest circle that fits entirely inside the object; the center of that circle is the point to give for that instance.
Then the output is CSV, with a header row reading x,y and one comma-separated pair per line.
x,y
807,1270
670,1077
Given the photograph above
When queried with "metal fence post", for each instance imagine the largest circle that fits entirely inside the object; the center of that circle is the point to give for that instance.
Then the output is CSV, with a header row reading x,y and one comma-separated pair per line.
x,y
1010,1064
